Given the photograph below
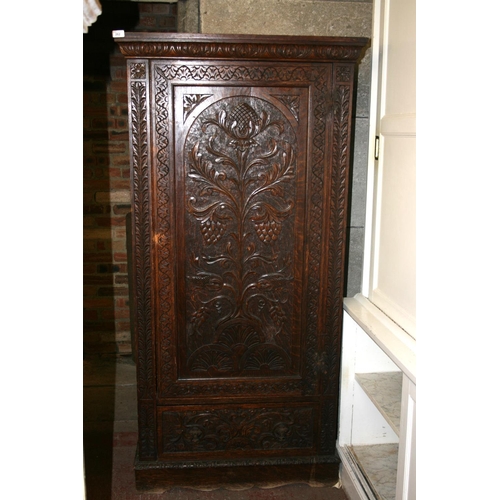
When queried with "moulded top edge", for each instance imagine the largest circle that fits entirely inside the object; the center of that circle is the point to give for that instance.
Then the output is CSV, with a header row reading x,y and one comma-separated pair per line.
x,y
150,36
178,45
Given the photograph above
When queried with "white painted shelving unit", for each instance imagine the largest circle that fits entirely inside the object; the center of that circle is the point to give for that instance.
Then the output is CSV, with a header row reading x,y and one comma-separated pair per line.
x,y
376,438
378,378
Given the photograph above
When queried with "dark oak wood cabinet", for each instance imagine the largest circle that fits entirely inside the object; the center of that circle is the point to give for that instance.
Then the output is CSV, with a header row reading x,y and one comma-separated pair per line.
x,y
240,151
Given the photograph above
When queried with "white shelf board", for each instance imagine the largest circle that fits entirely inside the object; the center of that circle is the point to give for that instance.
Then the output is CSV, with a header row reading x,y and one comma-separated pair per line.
x,y
379,465
392,339
384,390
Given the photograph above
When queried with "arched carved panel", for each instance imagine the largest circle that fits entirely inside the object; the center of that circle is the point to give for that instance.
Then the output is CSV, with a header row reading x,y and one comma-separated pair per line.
x,y
240,190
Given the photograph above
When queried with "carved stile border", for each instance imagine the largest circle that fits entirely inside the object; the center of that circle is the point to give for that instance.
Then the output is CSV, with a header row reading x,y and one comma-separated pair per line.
x,y
141,227
342,102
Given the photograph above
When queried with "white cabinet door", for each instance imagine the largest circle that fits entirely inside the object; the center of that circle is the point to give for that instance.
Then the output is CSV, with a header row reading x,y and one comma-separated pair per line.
x,y
389,279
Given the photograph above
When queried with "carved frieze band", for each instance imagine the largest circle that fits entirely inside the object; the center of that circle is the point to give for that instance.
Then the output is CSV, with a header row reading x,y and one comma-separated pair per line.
x,y
221,50
248,429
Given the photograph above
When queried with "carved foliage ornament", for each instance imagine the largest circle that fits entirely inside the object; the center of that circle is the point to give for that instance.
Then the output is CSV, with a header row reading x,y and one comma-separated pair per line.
x,y
240,161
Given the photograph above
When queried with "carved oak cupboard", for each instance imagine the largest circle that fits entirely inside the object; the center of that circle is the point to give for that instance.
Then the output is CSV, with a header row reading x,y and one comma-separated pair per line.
x,y
240,151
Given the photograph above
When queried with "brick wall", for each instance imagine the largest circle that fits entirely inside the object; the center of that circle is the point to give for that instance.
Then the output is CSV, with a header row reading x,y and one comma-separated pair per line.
x,y
106,174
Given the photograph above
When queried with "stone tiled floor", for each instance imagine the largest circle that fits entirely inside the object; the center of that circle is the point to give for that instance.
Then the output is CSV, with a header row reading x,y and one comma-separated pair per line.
x,y
110,436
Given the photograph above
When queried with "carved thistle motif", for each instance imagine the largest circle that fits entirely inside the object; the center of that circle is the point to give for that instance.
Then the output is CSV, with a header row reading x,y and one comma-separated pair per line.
x,y
237,429
240,163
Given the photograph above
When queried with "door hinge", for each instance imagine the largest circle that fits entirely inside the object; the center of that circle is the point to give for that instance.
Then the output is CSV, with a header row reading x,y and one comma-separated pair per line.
x,y
377,146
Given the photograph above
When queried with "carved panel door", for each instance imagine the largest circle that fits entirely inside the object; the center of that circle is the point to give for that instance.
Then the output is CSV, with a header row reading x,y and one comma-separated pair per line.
x,y
240,177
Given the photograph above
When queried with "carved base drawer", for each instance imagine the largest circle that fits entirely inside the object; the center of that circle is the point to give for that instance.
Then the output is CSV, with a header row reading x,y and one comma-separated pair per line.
x,y
243,430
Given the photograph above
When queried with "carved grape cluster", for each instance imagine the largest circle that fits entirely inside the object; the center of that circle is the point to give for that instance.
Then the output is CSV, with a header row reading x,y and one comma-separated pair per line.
x,y
268,230
212,230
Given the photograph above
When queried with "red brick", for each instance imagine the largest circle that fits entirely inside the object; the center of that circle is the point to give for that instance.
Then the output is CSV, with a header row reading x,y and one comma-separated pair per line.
x,y
96,209
109,147
103,221
148,21
90,315
88,173
122,99
89,268
106,194
91,338
97,303
117,59
161,8
121,279
89,161
124,347
102,161
88,221
167,22
89,246
119,184
122,326
88,198
121,209
115,172
99,326
122,160
96,110
97,280
120,257
119,233
112,291
119,73
100,348
145,8
101,258
104,245
115,314
118,110
120,302
115,135
100,123
95,184
90,290
120,245
110,100
119,86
